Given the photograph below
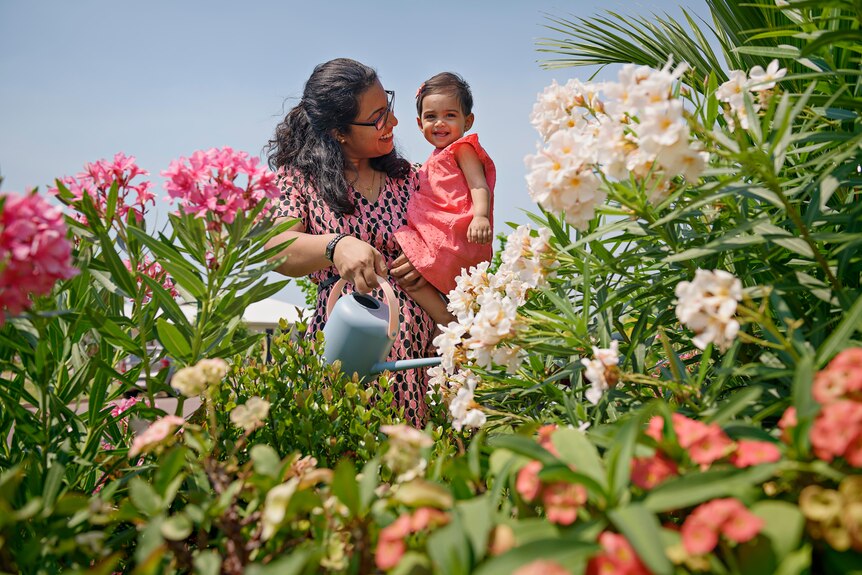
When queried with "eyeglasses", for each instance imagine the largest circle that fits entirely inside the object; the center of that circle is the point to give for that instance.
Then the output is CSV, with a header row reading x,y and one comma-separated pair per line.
x,y
380,120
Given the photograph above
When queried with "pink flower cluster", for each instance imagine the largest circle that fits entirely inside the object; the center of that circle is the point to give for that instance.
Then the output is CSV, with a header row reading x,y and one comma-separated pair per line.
x,y
152,436
728,517
704,443
392,545
617,557
206,184
155,271
837,431
96,181
34,251
561,499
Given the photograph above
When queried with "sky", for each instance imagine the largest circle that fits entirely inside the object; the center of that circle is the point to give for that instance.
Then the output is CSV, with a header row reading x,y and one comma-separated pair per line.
x,y
159,79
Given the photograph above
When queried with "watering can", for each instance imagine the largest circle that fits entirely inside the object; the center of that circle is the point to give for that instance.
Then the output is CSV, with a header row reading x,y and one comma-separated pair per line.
x,y
360,331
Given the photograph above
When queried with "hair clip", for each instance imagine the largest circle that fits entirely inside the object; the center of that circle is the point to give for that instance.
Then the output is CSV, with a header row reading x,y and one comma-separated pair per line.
x,y
419,91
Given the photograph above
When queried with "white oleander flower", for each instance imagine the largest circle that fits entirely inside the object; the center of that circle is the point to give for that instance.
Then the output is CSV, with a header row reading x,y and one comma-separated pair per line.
x,y
601,371
707,306
190,381
760,79
449,344
464,412
213,369
251,414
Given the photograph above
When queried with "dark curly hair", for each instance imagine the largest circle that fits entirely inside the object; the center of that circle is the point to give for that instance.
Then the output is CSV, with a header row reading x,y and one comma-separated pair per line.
x,y
304,140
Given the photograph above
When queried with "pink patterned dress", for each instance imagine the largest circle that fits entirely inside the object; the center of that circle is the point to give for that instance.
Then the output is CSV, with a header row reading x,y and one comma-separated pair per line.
x,y
374,223
435,237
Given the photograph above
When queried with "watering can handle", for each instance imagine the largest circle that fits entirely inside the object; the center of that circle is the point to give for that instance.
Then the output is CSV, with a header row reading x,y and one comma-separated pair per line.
x,y
391,299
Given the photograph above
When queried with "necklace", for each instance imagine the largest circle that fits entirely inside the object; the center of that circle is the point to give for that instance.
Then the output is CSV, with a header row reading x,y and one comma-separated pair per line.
x,y
371,189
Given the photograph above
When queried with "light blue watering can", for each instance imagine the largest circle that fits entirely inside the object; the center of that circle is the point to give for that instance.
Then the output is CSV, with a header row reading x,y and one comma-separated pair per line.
x,y
360,331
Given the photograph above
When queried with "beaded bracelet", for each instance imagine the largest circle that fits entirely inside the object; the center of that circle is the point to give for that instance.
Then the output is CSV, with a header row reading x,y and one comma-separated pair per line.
x,y
330,247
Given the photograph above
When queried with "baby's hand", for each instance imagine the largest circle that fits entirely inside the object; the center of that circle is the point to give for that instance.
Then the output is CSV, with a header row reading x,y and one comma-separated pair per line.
x,y
479,231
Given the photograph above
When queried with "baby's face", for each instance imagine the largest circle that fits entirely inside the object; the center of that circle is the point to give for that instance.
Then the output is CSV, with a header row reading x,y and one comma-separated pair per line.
x,y
442,121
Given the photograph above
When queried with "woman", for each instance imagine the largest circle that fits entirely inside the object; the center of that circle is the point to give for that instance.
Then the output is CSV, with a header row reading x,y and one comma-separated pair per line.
x,y
348,187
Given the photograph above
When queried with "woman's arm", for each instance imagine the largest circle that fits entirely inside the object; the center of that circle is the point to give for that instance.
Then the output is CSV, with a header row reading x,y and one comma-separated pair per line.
x,y
356,261
474,172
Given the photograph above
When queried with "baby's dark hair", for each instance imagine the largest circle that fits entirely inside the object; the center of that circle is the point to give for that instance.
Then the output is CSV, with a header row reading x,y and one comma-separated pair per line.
x,y
446,83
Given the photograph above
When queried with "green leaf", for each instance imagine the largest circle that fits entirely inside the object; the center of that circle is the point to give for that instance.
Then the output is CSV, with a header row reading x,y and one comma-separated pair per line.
x,y
524,446
345,487
477,515
620,455
207,562
368,483
576,449
696,488
448,549
572,554
266,460
176,527
738,402
642,529
119,273
784,525
293,564
144,497
421,493
53,483
173,341
170,464
851,323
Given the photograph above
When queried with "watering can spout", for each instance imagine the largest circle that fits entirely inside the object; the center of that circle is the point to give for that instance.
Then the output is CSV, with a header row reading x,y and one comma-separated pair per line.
x,y
402,364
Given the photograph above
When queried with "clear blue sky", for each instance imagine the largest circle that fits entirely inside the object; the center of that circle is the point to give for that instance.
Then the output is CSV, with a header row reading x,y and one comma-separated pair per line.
x,y
158,79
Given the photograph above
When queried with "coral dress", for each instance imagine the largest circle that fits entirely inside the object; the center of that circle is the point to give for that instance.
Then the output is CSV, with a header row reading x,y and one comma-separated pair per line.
x,y
374,223
439,214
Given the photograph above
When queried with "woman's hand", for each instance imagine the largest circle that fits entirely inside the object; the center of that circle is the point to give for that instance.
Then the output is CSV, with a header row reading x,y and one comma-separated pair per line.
x,y
406,275
359,263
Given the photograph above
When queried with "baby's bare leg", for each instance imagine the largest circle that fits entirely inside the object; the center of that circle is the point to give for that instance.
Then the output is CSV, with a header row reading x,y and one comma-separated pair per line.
x,y
431,301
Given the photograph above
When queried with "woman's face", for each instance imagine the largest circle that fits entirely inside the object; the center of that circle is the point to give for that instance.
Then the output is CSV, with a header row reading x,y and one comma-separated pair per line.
x,y
362,142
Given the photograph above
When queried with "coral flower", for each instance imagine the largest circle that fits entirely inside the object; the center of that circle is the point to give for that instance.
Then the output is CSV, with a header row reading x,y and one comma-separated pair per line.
x,y
750,453
647,472
728,517
562,501
389,552
527,483
617,557
155,434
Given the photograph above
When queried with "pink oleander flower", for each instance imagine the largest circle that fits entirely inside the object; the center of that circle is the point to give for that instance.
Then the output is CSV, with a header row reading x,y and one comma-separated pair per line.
x,y
562,501
123,405
34,251
206,184
541,567
648,472
153,270
841,379
616,558
96,181
728,517
787,423
528,484
837,430
750,453
160,430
